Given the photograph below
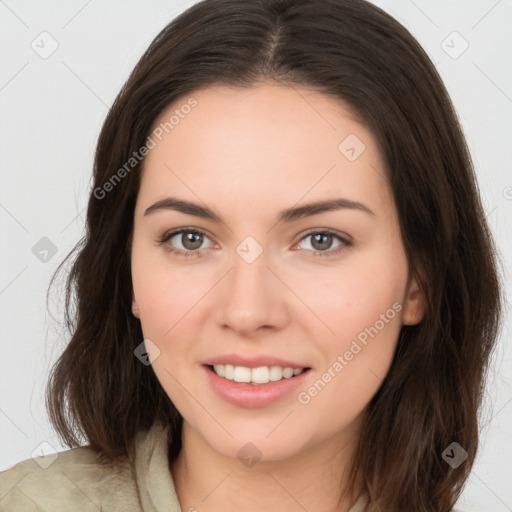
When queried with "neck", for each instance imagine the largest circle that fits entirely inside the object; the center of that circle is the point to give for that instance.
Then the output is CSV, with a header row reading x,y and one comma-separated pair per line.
x,y
310,480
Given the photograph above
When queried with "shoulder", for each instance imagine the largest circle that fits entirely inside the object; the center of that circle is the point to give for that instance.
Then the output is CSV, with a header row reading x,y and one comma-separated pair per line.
x,y
75,476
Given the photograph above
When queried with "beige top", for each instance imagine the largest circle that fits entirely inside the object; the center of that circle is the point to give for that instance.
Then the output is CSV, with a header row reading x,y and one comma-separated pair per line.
x,y
76,481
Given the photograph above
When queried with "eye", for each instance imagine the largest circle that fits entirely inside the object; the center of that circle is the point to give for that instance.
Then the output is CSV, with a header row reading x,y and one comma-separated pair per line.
x,y
190,240
322,241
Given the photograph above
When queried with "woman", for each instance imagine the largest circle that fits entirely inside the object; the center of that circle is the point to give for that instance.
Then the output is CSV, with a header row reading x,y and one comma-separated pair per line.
x,y
287,295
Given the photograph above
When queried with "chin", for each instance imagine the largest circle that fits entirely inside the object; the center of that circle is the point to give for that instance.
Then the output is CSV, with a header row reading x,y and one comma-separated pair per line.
x,y
257,442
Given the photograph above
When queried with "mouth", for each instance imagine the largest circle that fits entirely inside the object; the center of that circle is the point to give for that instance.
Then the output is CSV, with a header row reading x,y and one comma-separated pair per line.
x,y
258,376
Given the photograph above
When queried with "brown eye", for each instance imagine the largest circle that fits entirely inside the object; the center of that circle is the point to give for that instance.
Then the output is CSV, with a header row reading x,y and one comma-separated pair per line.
x,y
184,242
322,242
190,240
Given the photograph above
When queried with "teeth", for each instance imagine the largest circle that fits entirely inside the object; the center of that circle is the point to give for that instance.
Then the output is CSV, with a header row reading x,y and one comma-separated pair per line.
x,y
287,373
229,371
242,374
275,373
260,375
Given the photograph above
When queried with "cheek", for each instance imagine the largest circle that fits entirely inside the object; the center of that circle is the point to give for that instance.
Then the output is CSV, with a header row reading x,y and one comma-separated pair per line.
x,y
362,306
355,361
166,294
362,309
352,299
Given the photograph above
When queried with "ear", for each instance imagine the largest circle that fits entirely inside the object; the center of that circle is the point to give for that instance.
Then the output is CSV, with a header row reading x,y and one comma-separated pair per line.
x,y
415,304
135,308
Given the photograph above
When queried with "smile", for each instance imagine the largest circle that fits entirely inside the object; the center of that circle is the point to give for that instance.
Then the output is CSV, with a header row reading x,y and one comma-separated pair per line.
x,y
259,375
255,387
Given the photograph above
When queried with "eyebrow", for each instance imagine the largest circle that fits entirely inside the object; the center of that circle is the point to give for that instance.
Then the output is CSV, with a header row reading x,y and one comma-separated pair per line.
x,y
289,215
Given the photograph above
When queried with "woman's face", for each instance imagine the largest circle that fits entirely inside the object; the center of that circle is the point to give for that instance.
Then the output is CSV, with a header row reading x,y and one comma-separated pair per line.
x,y
259,281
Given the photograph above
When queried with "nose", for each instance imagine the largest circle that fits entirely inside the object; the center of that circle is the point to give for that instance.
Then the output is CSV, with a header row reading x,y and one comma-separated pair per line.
x,y
252,298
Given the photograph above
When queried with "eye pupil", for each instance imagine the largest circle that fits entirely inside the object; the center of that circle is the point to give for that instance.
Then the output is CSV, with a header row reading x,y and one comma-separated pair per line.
x,y
189,242
322,237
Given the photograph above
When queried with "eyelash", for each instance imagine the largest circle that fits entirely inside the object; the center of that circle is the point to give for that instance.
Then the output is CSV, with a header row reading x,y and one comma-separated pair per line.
x,y
345,243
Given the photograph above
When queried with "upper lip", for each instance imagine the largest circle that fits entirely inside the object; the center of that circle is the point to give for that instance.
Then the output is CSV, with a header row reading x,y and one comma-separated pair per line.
x,y
253,361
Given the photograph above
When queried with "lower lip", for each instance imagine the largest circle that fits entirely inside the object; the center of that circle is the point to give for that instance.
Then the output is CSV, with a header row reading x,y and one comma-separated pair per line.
x,y
252,396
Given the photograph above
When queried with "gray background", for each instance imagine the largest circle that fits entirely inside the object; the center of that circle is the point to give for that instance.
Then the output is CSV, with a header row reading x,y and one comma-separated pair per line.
x,y
51,111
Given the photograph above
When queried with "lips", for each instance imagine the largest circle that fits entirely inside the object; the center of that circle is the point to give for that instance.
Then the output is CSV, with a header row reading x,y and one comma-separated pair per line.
x,y
249,395
256,381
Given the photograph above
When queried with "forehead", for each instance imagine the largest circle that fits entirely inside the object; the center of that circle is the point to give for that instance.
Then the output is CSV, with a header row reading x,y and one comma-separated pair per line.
x,y
268,142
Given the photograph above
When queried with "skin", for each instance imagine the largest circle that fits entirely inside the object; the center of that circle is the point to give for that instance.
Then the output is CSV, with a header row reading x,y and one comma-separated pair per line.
x,y
248,154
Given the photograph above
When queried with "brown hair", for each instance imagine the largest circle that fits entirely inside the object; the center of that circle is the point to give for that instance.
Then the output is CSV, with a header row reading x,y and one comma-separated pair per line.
x,y
353,51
